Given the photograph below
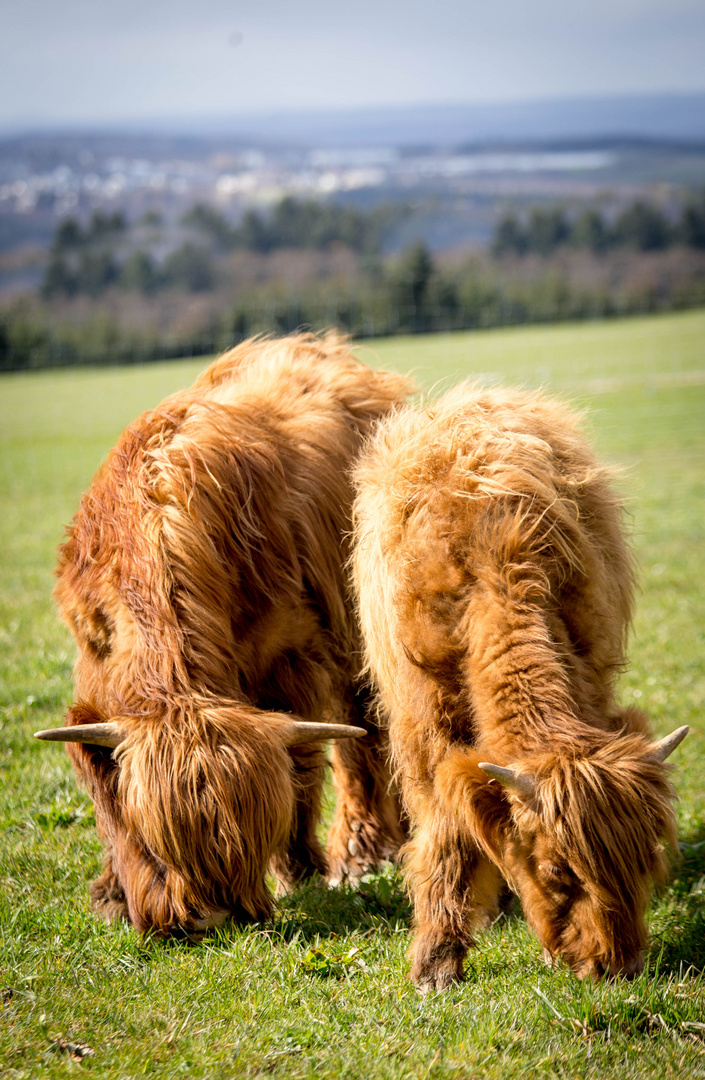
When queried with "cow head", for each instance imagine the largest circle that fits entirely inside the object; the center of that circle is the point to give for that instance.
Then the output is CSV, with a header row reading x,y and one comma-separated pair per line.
x,y
192,778
585,846
580,837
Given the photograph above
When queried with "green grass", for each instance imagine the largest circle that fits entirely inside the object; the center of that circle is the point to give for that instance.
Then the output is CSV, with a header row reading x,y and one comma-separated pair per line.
x,y
323,990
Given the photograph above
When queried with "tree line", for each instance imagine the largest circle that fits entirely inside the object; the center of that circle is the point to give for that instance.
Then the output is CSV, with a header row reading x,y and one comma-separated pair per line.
x,y
302,224
641,226
412,293
108,252
335,275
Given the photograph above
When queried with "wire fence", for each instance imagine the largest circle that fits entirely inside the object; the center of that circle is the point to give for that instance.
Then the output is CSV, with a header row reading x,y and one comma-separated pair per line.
x,y
29,344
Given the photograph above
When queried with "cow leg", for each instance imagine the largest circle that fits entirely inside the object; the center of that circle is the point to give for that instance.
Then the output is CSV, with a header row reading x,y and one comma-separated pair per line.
x,y
455,892
304,855
98,771
107,895
368,827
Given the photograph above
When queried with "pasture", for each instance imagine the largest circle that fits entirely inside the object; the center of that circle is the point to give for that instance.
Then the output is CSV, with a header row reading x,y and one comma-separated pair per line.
x,y
322,991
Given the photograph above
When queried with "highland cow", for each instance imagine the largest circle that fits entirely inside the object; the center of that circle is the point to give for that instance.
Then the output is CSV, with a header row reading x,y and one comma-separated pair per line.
x,y
495,590
203,578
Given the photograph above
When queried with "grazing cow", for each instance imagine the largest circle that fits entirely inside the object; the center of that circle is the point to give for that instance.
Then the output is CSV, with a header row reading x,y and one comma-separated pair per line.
x,y
495,591
203,578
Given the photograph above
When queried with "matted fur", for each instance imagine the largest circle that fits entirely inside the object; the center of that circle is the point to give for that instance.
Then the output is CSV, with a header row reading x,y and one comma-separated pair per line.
x,y
495,590
203,578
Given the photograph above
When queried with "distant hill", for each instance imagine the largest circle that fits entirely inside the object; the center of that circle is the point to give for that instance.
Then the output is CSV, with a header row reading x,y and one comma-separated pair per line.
x,y
671,116
679,116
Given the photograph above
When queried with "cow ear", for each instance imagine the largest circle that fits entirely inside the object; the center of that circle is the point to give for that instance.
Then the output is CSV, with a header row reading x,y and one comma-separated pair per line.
x,y
478,808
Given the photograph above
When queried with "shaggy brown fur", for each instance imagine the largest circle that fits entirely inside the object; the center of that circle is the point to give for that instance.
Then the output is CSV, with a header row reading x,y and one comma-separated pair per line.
x,y
495,590
203,578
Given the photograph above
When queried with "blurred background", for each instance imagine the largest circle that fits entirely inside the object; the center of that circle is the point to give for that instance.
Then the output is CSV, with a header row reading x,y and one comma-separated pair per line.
x,y
175,177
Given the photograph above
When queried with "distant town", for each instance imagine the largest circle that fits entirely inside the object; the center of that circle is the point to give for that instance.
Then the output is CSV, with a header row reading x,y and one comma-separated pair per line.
x,y
125,244
456,192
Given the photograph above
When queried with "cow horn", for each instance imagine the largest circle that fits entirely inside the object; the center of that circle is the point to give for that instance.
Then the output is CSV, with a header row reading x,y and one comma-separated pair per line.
x,y
110,734
521,784
106,734
663,749
301,731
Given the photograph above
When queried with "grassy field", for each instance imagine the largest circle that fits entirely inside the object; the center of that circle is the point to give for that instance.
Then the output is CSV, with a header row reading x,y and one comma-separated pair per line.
x,y
323,990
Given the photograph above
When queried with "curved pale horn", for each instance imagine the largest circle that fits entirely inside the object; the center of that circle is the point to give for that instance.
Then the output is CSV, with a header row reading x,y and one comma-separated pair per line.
x,y
301,731
107,734
661,750
522,785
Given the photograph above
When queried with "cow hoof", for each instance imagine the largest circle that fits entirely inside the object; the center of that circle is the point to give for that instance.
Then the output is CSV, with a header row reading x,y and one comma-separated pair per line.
x,y
108,901
437,966
439,980
357,848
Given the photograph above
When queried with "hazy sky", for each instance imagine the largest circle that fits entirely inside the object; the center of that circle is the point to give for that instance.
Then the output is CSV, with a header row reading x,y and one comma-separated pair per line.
x,y
111,60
